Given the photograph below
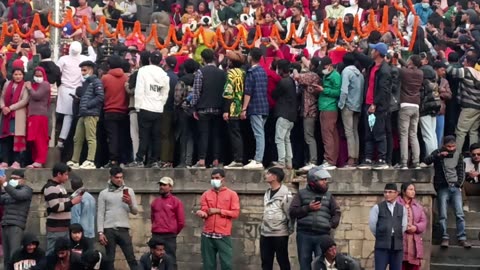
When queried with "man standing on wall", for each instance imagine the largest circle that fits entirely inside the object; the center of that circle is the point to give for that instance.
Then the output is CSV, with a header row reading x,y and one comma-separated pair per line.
x,y
276,225
115,203
316,212
387,222
58,204
219,206
168,218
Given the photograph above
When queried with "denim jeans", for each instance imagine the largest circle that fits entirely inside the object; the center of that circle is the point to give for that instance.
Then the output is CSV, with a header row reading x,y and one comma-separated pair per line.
x,y
258,126
52,238
451,196
308,244
428,124
282,140
440,128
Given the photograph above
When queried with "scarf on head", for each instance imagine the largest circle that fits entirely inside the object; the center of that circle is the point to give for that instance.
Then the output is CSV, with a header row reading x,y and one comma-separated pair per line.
x,y
45,79
11,97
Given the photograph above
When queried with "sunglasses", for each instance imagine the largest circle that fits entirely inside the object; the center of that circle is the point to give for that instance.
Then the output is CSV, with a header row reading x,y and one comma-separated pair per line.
x,y
475,154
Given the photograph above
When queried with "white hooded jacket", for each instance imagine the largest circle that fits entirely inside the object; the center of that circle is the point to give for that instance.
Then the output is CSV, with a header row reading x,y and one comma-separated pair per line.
x,y
151,91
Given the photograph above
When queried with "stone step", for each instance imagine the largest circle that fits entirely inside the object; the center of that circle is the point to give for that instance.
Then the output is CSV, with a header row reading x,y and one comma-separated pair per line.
x,y
471,232
472,219
455,255
448,266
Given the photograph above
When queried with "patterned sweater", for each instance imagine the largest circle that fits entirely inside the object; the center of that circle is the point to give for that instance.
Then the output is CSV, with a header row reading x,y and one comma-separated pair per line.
x,y
58,206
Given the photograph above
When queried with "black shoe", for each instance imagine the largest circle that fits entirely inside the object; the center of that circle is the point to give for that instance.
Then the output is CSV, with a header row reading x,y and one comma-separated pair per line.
x,y
367,165
380,165
110,164
465,244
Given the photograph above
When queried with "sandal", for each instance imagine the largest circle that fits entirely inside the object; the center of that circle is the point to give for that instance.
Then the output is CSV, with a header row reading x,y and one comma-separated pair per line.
x,y
35,165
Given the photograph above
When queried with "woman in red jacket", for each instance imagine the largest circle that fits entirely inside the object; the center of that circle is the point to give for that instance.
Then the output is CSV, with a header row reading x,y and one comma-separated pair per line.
x,y
417,223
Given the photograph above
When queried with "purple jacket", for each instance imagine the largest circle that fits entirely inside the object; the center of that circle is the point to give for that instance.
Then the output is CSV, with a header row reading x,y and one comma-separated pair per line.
x,y
420,221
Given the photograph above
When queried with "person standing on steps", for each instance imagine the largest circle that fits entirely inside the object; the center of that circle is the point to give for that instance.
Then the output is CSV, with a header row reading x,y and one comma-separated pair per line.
x,y
388,222
448,183
168,218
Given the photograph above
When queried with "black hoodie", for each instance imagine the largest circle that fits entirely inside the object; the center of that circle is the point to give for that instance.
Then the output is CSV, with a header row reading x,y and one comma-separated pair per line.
x,y
80,246
21,260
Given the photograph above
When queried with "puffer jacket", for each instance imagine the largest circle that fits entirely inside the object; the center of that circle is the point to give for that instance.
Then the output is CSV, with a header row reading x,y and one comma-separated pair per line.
x,y
17,205
91,97
439,180
430,102
276,221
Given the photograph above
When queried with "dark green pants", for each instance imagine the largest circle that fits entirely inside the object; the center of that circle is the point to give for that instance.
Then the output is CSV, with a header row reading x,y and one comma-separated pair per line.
x,y
210,248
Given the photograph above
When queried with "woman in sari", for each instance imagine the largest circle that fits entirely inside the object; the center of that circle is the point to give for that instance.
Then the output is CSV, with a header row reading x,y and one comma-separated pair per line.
x,y
37,131
13,102
417,223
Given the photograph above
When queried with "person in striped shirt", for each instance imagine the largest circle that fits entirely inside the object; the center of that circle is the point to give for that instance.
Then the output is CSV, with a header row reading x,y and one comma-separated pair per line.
x,y
58,204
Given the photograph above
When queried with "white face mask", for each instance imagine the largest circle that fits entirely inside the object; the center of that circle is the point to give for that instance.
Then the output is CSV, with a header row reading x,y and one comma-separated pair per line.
x,y
425,5
326,71
216,183
353,3
38,79
13,182
85,77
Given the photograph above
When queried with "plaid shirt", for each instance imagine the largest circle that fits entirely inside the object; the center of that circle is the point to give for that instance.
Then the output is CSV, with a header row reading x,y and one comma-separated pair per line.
x,y
256,88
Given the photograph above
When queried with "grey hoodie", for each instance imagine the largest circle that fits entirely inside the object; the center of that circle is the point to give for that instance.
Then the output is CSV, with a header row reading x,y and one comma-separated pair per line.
x,y
351,95
276,221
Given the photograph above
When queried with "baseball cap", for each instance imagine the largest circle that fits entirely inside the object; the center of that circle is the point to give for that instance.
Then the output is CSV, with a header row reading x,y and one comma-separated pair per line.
x,y
166,181
380,47
171,61
317,173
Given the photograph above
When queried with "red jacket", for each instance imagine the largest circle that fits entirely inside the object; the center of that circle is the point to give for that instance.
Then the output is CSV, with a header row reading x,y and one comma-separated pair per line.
x,y
116,99
229,204
168,215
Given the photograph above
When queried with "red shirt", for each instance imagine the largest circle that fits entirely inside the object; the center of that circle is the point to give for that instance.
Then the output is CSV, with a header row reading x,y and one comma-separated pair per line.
x,y
168,215
371,85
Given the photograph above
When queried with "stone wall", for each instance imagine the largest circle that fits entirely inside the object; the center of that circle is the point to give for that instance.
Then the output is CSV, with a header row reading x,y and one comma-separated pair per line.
x,y
355,191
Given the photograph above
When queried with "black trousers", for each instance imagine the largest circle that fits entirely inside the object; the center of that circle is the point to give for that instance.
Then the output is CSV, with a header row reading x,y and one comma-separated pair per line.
x,y
183,134
116,125
375,136
8,155
170,241
167,143
209,129
149,130
121,237
236,140
271,247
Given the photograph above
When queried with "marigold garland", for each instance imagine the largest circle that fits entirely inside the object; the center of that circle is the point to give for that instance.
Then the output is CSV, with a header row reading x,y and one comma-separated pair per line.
x,y
218,38
416,22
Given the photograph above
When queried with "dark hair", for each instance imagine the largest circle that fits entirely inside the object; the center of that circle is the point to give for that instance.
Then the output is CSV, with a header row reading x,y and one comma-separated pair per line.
x,y
374,37
207,55
76,181
448,139
114,61
145,58
349,59
126,66
155,58
416,60
283,66
206,6
404,187
315,62
45,52
153,243
190,66
18,69
278,172
453,57
115,170
256,54
76,227
99,34
60,168
218,171
62,244
471,59
189,4
474,146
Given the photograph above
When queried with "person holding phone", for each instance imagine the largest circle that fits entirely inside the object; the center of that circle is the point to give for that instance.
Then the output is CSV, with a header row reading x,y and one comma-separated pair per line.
x,y
115,203
16,197
316,212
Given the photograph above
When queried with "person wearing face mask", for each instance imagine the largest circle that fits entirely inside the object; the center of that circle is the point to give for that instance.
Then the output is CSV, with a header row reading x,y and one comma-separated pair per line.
x,y
37,123
168,217
424,11
16,197
316,212
91,96
219,206
327,105
448,182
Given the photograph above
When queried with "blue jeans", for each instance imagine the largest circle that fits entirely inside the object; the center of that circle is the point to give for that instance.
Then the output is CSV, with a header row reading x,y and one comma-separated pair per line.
x,y
306,245
282,139
258,123
440,128
452,196
52,238
392,258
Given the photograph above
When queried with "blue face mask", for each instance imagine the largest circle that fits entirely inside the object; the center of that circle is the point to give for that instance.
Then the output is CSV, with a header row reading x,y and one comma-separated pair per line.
x,y
216,183
425,5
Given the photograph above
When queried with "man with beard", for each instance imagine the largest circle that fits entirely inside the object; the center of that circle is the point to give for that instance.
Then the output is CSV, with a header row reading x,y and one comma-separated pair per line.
x,y
29,256
156,258
472,170
168,218
316,212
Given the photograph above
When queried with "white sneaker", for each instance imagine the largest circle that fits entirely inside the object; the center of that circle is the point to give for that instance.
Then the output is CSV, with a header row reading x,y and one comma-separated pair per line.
x,y
254,165
307,167
73,165
88,165
327,166
424,165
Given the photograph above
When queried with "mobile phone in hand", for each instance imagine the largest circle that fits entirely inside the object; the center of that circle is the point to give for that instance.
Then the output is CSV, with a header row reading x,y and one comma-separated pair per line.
x,y
318,199
125,192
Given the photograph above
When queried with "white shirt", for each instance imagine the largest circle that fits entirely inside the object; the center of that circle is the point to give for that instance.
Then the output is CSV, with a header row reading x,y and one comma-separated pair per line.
x,y
354,10
330,266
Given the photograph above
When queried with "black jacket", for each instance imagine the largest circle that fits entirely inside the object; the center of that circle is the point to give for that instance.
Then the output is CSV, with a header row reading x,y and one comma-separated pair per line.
x,y
54,75
439,180
91,100
21,260
146,262
396,89
17,204
285,95
342,262
75,261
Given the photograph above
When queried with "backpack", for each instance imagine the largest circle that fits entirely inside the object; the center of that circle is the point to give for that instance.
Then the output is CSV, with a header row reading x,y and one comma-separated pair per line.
x,y
431,100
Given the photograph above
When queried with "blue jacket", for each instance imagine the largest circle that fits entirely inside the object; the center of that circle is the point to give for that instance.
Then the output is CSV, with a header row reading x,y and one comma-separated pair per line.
x,y
91,97
351,94
423,13
84,213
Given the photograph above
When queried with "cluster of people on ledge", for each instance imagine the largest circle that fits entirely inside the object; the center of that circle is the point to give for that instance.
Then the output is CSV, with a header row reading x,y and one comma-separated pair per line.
x,y
397,223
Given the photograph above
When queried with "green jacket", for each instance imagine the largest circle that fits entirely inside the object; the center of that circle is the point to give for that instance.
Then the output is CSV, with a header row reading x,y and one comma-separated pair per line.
x,y
328,98
232,11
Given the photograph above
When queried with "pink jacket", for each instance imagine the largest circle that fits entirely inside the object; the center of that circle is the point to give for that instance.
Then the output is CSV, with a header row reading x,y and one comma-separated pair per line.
x,y
420,221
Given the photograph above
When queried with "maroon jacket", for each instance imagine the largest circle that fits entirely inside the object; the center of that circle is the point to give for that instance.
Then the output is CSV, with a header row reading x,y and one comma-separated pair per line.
x,y
168,215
